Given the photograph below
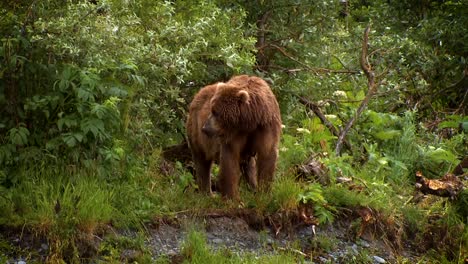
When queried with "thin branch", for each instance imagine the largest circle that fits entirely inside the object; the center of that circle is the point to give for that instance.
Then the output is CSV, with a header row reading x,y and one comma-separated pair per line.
x,y
372,88
261,25
314,70
316,109
307,67
462,103
321,70
341,62
289,56
462,81
28,16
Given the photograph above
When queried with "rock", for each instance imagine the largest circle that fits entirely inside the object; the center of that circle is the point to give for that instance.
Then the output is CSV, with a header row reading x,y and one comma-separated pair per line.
x,y
379,260
20,262
171,253
364,243
354,247
322,259
217,241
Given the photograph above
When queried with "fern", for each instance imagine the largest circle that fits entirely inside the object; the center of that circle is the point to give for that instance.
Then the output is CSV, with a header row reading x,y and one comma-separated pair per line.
x,y
313,194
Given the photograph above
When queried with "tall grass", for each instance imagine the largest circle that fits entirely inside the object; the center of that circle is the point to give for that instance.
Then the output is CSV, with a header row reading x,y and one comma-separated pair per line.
x,y
66,208
48,199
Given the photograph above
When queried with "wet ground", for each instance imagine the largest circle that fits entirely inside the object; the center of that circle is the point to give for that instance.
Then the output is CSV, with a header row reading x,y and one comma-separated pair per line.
x,y
315,244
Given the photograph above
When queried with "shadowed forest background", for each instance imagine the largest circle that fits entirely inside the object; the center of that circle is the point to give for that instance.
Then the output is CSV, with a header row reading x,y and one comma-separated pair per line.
x,y
94,98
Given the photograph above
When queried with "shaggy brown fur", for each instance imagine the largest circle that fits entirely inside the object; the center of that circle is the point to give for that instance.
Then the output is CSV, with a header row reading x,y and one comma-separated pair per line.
x,y
239,124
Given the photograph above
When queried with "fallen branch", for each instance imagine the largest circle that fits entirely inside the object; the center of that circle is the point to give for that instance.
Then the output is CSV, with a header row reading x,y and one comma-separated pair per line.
x,y
372,88
313,169
448,186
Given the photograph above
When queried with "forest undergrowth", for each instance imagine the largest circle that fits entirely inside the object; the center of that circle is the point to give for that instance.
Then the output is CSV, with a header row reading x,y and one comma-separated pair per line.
x,y
93,103
69,208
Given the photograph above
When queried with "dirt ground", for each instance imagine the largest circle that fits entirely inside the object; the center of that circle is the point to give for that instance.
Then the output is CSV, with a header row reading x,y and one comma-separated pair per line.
x,y
239,234
317,244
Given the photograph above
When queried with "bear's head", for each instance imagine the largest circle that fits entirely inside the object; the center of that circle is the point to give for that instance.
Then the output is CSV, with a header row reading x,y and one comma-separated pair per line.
x,y
229,110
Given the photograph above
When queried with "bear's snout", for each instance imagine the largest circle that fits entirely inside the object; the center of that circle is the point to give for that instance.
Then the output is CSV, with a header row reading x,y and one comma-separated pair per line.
x,y
210,127
208,130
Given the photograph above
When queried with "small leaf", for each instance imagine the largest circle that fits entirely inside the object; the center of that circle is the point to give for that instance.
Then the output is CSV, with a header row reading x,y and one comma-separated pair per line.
x,y
78,136
19,136
387,134
465,126
85,95
93,125
69,140
60,123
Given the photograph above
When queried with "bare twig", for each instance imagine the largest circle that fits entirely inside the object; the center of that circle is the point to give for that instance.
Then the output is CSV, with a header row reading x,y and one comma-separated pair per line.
x,y
314,70
372,88
341,62
28,17
261,24
316,109
285,53
307,67
321,70
462,82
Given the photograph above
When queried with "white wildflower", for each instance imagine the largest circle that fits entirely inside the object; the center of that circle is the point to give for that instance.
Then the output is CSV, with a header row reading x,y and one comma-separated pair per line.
x,y
303,130
340,94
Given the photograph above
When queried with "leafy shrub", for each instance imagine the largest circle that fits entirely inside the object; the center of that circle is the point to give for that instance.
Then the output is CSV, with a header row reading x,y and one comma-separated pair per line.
x,y
313,193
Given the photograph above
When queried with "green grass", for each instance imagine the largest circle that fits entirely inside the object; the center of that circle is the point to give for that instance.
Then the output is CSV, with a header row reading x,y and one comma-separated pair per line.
x,y
324,243
195,250
70,206
113,247
283,196
67,209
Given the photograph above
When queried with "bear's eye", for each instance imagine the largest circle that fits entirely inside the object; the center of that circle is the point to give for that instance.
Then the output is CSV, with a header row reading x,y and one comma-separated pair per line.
x,y
215,113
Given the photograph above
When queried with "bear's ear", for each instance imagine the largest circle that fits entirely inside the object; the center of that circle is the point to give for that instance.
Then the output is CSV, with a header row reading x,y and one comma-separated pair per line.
x,y
220,85
244,96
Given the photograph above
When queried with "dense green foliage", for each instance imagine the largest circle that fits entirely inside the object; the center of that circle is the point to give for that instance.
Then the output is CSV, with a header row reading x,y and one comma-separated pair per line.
x,y
91,91
78,77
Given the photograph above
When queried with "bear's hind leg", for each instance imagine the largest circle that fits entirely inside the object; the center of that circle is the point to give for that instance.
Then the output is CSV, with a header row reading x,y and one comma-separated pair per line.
x,y
249,171
202,173
266,166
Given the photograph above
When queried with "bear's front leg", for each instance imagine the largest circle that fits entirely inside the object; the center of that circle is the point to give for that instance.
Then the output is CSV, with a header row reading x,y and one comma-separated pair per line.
x,y
229,171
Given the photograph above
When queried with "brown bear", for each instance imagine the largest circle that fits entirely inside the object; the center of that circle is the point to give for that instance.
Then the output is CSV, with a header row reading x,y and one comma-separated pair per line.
x,y
238,124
